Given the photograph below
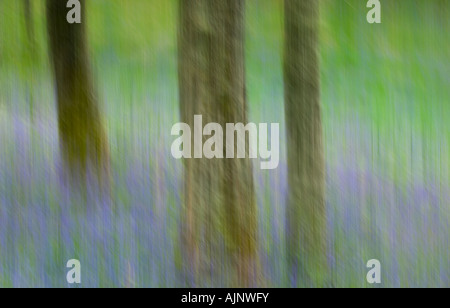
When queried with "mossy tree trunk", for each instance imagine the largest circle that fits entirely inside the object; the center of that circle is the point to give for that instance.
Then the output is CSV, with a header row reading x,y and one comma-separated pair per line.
x,y
219,205
32,57
28,15
306,221
83,140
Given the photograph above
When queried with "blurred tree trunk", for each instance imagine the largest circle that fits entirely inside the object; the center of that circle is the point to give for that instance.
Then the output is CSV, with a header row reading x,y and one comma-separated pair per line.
x,y
28,14
83,141
306,221
31,52
219,201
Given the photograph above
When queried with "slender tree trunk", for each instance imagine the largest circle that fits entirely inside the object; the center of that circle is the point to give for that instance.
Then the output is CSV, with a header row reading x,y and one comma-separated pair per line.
x,y
219,201
306,221
83,141
31,51
28,19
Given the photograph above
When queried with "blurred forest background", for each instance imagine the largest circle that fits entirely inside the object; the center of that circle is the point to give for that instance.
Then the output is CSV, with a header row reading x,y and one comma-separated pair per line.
x,y
385,100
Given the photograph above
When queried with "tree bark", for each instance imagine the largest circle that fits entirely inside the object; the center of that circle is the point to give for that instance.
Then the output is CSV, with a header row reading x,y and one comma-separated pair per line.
x,y
219,202
83,140
306,221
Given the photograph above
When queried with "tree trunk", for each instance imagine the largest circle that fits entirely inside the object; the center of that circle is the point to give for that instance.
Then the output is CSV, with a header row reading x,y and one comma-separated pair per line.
x,y
28,15
306,221
32,57
83,141
219,204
